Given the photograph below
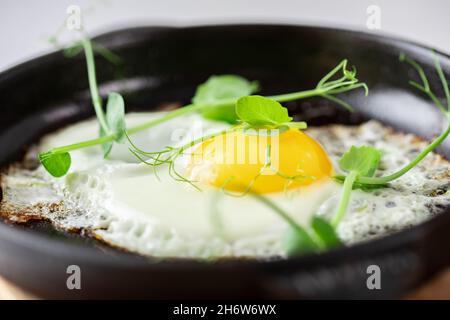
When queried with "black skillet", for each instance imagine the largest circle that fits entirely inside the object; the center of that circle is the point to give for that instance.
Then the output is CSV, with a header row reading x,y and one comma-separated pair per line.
x,y
163,65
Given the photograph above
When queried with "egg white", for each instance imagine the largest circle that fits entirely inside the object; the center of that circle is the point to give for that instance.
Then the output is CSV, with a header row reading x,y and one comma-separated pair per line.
x,y
153,214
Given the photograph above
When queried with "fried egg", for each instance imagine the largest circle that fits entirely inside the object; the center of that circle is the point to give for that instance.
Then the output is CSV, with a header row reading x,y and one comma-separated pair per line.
x,y
143,209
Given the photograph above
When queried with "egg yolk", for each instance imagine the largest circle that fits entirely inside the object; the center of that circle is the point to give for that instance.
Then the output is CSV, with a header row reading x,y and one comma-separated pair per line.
x,y
238,161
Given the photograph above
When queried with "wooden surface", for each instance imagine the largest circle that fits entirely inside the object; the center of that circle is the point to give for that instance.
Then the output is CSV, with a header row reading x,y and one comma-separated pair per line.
x,y
8,291
437,288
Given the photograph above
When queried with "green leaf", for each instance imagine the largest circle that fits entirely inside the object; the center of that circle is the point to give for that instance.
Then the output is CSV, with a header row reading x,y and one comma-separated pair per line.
x,y
115,119
224,113
325,232
363,160
261,111
106,146
297,241
115,116
57,164
359,162
222,88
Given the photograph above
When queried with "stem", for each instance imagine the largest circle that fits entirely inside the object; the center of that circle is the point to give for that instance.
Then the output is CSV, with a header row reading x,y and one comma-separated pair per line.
x,y
441,75
319,91
307,239
279,211
95,96
96,100
133,130
84,144
409,166
338,101
107,54
206,137
345,198
419,70
178,151
430,94
349,88
296,95
171,115
425,88
168,116
341,65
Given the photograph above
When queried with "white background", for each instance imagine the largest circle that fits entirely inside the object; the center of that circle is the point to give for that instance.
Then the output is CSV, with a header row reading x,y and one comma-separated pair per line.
x,y
25,25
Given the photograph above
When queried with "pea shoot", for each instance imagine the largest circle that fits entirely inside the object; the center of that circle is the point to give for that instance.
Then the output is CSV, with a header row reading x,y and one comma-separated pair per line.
x,y
112,123
215,99
318,236
230,98
253,113
361,162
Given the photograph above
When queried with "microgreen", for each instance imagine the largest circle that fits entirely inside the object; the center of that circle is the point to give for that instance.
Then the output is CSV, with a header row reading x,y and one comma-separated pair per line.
x,y
359,162
112,124
259,111
76,48
328,88
257,116
216,99
298,240
264,113
169,155
320,236
325,232
228,98
93,87
73,50
367,181
301,125
115,120
267,167
56,164
222,88
252,131
364,160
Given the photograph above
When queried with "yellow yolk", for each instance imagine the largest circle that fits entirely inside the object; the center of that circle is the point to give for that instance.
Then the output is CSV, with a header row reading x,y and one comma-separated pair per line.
x,y
238,161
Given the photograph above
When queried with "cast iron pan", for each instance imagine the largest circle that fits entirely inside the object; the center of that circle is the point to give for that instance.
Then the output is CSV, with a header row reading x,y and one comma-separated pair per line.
x,y
163,65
